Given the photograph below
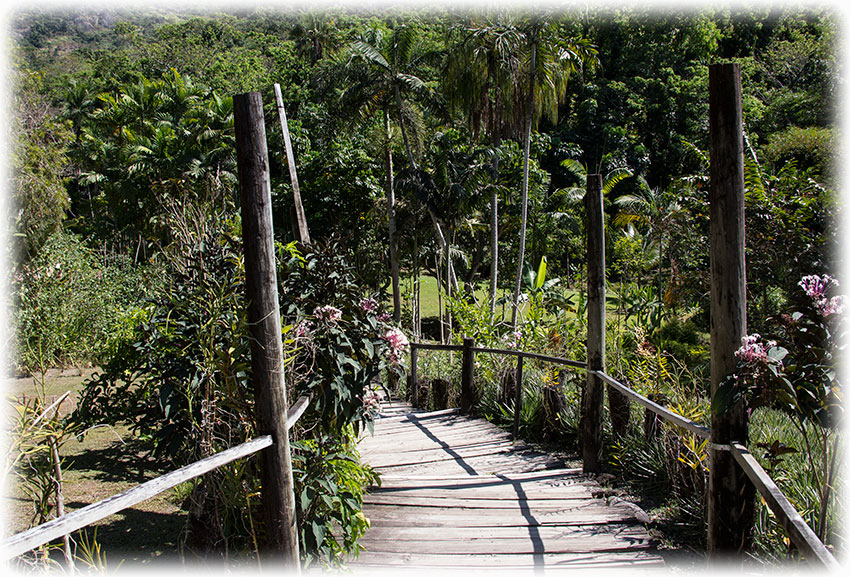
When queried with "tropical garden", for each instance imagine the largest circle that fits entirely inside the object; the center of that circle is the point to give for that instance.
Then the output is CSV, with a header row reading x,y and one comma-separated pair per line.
x,y
441,159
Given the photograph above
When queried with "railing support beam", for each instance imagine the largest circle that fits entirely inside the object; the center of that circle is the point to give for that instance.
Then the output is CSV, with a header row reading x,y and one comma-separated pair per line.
x,y
467,390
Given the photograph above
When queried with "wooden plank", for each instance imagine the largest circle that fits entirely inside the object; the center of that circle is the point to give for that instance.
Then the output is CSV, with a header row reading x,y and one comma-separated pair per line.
x,y
595,514
407,445
529,545
528,491
507,501
550,475
523,533
422,432
495,561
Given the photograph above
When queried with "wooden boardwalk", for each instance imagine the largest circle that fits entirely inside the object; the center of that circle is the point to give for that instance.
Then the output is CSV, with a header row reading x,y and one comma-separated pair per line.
x,y
458,494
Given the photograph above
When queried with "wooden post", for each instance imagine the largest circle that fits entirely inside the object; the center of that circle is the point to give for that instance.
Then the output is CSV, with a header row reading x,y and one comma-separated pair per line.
x,y
595,392
518,396
278,499
302,231
731,496
414,377
467,392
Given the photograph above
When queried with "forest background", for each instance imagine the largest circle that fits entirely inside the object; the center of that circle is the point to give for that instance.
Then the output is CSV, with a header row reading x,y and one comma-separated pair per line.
x,y
408,128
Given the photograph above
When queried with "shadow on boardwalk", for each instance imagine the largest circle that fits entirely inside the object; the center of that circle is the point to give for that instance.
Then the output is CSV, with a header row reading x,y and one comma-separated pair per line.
x,y
457,494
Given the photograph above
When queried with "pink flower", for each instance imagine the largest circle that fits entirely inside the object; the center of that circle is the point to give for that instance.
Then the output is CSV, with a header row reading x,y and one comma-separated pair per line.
x,y
512,340
371,401
816,287
835,306
753,351
327,313
369,304
384,317
398,343
304,329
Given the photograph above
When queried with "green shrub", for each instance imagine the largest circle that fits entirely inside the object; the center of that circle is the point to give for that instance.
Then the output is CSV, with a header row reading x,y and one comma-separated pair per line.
x,y
73,306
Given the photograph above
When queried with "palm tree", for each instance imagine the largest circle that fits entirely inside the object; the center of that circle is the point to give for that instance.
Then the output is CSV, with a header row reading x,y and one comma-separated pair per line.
x,y
511,73
654,211
380,69
551,61
479,77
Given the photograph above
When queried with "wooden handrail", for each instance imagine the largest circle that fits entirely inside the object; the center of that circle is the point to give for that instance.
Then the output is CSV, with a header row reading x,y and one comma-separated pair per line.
x,y
798,531
46,532
537,356
436,347
663,412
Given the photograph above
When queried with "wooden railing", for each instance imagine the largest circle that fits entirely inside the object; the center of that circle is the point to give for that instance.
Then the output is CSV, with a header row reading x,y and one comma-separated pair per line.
x,y
798,531
67,524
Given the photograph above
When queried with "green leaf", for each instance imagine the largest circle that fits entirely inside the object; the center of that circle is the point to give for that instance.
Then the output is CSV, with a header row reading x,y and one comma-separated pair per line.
x,y
318,533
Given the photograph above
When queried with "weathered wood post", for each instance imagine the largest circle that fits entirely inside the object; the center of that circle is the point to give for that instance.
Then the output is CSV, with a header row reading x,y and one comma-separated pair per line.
x,y
518,396
594,396
414,373
301,229
731,496
467,374
278,499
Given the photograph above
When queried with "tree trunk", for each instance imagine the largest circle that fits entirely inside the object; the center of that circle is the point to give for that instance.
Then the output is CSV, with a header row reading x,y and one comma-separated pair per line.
x,y
494,248
525,168
391,224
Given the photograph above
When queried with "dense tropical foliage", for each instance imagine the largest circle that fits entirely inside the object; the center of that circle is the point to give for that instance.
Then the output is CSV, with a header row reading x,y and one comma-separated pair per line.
x,y
444,146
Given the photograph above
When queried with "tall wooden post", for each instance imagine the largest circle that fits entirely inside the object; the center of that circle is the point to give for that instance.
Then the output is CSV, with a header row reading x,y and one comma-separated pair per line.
x,y
731,496
518,396
414,374
467,375
278,499
302,231
594,396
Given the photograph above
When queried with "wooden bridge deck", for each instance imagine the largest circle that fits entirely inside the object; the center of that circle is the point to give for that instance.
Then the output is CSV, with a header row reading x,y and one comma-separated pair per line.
x,y
458,494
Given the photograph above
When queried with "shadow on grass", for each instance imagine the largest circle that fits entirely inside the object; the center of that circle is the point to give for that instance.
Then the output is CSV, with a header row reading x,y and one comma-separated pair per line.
x,y
135,536
118,462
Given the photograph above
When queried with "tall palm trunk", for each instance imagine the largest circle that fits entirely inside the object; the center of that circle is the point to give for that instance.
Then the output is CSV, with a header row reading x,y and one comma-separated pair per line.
x,y
391,224
494,248
525,168
437,228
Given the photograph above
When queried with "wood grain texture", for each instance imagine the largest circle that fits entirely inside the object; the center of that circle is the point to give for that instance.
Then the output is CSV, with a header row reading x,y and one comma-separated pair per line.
x,y
457,494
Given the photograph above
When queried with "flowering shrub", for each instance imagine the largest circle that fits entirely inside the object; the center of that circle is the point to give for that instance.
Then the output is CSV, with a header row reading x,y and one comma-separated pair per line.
x,y
794,371
342,340
184,384
398,344
327,314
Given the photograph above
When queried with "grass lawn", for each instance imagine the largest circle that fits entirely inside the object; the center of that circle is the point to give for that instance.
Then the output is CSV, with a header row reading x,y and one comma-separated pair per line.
x,y
105,462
